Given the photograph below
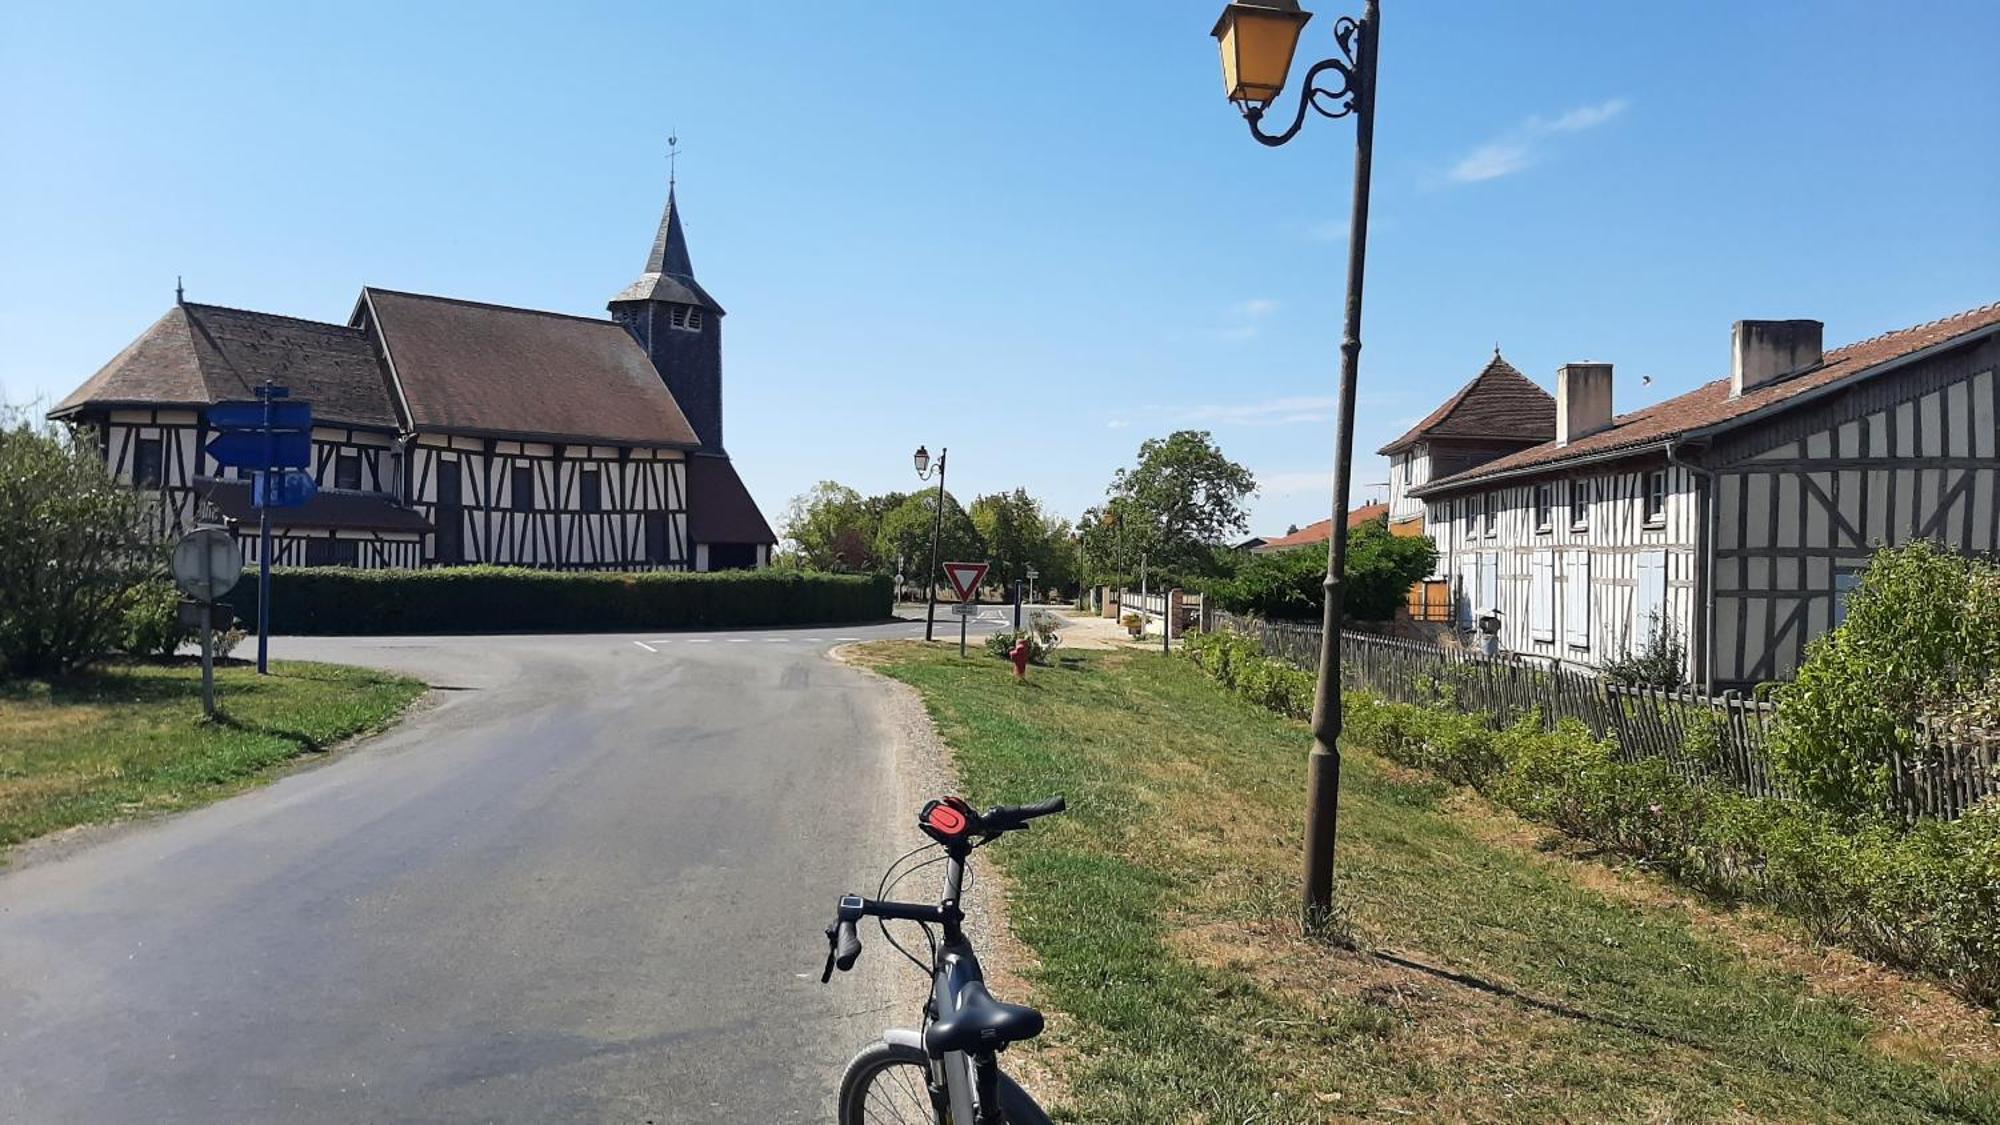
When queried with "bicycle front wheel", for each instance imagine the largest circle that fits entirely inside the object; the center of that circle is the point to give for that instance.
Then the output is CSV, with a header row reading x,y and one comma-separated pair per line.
x,y
889,1084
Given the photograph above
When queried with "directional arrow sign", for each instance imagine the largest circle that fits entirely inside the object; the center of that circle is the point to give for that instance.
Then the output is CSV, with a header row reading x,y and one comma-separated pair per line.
x,y
250,416
965,578
288,449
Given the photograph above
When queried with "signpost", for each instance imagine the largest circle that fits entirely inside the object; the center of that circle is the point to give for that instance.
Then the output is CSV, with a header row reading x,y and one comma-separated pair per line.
x,y
272,437
207,565
965,578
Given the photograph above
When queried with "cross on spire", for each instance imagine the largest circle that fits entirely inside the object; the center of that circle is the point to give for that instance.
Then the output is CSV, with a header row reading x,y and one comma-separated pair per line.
x,y
673,158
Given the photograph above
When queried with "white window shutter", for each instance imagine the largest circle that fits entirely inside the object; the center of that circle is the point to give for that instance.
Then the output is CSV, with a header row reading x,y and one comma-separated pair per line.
x,y
1542,597
1489,581
1576,599
1649,601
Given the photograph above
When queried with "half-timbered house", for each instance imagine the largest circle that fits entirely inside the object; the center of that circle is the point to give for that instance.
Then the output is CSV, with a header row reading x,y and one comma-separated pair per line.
x,y
450,431
1737,515
1500,411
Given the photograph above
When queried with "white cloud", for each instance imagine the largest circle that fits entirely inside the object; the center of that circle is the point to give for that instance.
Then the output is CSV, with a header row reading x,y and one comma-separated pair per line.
x,y
1116,424
1331,230
1244,320
1284,411
1521,146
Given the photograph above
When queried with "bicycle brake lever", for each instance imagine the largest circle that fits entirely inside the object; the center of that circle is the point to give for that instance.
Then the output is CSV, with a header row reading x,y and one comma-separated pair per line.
x,y
826,974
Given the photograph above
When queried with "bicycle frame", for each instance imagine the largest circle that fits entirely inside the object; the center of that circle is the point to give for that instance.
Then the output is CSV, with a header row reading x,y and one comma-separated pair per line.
x,y
954,966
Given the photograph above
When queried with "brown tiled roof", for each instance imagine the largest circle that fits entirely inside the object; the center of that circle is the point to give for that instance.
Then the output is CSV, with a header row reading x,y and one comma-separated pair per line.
x,y
351,511
201,354
720,509
1499,403
1315,533
1709,407
495,371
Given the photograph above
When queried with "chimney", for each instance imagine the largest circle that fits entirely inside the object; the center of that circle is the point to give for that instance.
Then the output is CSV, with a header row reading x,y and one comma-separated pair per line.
x,y
1765,351
1583,400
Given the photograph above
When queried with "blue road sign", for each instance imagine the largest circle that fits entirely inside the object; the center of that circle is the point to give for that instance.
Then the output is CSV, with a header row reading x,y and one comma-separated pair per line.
x,y
288,449
285,489
250,416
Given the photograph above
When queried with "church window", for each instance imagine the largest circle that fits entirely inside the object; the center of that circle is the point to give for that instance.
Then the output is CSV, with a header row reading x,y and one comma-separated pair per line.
x,y
347,472
590,490
524,488
687,318
146,462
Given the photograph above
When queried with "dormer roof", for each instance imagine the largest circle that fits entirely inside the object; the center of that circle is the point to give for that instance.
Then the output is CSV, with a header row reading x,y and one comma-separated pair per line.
x,y
1499,404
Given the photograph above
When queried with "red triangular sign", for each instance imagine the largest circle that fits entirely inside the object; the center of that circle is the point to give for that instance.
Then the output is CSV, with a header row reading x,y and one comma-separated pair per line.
x,y
965,579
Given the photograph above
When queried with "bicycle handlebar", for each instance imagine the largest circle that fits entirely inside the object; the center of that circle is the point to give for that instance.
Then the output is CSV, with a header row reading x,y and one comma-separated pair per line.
x,y
1007,818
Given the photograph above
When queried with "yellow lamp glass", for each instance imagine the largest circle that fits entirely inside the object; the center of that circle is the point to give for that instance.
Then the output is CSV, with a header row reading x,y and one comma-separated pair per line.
x,y
1257,41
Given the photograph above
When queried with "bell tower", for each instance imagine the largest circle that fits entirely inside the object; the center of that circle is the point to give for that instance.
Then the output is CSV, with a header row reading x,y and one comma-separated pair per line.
x,y
680,327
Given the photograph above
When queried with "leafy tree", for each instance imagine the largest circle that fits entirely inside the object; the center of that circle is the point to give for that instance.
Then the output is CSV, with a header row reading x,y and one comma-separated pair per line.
x,y
1921,640
72,552
1290,584
1180,503
906,532
830,528
1019,535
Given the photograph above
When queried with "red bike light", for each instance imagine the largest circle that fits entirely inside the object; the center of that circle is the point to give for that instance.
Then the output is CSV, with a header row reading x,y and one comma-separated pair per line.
x,y
947,820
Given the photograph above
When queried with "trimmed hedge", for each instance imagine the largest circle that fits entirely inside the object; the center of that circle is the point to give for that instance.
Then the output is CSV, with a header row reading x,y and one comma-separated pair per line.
x,y
493,599
1927,898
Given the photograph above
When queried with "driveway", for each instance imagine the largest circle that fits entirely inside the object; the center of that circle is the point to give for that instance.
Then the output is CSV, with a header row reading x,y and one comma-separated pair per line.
x,y
586,883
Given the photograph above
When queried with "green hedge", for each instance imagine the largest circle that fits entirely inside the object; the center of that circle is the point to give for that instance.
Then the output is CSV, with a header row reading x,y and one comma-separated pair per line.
x,y
491,599
1927,898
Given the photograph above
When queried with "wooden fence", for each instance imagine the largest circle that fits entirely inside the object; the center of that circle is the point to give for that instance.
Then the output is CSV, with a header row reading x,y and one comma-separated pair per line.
x,y
1713,740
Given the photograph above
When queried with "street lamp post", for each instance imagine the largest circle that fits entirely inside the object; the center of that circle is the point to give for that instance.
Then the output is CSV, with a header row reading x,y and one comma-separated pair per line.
x,y
924,472
1257,38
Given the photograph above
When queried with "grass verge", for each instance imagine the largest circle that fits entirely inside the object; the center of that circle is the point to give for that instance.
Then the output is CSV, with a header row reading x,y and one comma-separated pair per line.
x,y
1469,975
129,739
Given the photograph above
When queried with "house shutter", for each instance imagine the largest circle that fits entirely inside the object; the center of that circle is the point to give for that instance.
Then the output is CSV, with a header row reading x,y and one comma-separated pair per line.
x,y
1489,581
1576,599
1468,588
1542,596
1649,601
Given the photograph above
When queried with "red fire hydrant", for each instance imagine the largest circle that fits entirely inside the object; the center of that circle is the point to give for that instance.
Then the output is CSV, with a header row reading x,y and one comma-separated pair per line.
x,y
1020,658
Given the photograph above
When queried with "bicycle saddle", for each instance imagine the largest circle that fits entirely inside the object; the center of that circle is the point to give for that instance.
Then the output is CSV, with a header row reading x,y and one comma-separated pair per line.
x,y
981,1023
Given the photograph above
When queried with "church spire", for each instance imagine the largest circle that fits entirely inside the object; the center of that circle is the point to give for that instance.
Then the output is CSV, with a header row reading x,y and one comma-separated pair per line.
x,y
670,248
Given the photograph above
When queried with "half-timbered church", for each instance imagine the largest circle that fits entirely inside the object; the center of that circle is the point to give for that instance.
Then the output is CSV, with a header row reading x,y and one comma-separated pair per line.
x,y
1736,516
449,431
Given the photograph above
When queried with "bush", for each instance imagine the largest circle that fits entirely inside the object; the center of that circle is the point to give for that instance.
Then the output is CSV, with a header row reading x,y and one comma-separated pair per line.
x,y
153,620
1921,640
1041,634
490,599
1289,585
71,550
1661,663
1926,899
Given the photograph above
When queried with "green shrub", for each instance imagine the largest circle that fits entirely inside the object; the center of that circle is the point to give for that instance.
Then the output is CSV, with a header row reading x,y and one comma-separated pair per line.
x,y
153,620
1921,639
72,548
489,599
1926,899
1660,663
1042,638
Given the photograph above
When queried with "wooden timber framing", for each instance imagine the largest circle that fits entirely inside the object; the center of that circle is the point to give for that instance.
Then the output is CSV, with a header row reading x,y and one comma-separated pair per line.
x,y
1759,528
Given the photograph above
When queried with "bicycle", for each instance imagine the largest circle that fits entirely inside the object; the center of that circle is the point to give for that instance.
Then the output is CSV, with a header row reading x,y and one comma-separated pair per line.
x,y
948,1072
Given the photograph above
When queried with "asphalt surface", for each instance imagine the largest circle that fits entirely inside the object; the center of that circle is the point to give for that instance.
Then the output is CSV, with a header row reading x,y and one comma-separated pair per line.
x,y
587,882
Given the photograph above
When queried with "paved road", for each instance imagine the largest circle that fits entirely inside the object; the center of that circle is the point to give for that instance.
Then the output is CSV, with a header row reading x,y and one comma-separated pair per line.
x,y
586,886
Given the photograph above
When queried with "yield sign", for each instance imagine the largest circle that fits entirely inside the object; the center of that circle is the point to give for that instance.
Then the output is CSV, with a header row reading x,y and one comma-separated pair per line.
x,y
965,578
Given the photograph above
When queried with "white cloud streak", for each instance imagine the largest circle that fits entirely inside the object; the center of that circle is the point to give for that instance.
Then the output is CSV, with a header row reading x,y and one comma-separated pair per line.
x,y
1521,146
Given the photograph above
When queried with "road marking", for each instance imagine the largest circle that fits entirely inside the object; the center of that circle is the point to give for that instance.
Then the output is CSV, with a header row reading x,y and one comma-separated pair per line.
x,y
777,640
847,638
659,641
644,645
739,640
700,640
810,640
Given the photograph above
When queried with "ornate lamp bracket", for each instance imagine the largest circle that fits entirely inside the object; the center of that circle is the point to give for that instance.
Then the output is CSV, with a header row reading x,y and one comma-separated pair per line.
x,y
1326,100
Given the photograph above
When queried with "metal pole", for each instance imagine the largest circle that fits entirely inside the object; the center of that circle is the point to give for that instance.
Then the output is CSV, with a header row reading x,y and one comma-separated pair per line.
x,y
207,637
963,620
1017,605
1323,766
264,543
930,576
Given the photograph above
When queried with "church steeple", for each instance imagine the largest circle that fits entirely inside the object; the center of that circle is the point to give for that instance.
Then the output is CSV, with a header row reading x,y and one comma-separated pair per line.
x,y
679,325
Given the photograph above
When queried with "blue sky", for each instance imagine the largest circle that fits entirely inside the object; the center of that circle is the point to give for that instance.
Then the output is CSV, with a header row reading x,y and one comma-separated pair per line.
x,y
1035,234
